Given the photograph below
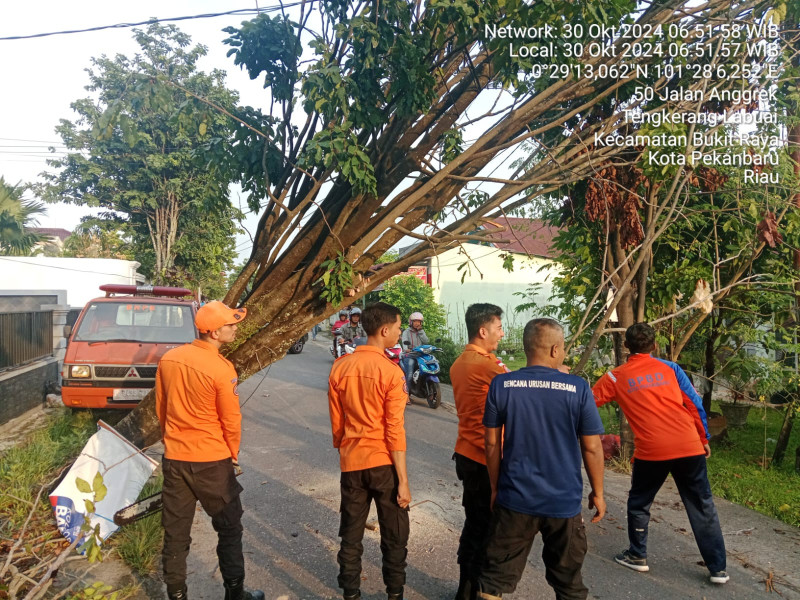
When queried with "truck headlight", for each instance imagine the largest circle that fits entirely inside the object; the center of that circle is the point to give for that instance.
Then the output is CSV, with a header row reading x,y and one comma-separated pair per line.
x,y
80,371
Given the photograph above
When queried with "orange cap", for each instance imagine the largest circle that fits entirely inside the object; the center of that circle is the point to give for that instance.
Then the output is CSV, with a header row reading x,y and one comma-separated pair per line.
x,y
213,315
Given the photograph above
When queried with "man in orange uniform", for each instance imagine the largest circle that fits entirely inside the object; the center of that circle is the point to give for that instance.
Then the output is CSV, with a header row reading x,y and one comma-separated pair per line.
x,y
471,374
201,424
366,399
671,436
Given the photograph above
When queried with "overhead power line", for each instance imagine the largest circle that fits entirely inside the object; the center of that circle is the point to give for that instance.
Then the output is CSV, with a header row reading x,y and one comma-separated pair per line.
x,y
34,264
241,11
5,139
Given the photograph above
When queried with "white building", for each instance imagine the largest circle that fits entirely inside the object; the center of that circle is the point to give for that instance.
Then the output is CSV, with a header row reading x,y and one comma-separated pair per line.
x,y
81,278
485,279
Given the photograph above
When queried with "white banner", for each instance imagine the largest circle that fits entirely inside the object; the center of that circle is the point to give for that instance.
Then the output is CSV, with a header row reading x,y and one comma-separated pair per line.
x,y
124,469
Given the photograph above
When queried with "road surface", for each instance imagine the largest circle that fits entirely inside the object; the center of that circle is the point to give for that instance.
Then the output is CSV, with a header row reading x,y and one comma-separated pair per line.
x,y
291,501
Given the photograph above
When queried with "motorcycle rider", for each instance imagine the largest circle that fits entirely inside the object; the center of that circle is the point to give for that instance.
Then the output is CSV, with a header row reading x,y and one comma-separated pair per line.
x,y
415,336
341,322
336,331
353,329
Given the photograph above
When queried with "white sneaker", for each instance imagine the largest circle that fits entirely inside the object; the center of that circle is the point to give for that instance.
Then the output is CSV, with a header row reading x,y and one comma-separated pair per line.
x,y
719,577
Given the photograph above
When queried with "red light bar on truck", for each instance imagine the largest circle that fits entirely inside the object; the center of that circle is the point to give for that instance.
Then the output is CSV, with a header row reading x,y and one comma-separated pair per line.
x,y
148,290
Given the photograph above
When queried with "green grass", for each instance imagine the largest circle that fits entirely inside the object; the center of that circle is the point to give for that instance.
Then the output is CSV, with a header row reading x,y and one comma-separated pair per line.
x,y
25,468
139,544
514,361
609,413
35,462
736,470
736,467
24,471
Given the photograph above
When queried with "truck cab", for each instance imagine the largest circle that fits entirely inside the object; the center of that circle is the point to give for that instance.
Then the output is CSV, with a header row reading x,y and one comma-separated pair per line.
x,y
114,348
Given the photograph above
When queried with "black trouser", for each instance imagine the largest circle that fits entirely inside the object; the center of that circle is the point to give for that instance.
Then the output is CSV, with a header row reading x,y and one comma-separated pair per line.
x,y
511,536
359,488
477,500
691,479
214,485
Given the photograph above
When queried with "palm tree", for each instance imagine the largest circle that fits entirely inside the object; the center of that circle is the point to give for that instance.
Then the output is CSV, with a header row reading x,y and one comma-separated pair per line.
x,y
16,216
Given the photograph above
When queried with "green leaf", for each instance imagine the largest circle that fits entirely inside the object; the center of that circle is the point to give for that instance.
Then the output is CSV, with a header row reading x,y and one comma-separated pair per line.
x,y
97,481
100,493
89,506
83,485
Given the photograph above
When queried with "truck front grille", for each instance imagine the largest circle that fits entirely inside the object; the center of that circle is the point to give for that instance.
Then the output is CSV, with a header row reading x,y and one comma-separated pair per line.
x,y
118,372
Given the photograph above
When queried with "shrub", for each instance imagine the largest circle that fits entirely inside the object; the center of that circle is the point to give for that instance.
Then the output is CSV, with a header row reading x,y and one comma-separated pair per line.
x,y
450,352
409,294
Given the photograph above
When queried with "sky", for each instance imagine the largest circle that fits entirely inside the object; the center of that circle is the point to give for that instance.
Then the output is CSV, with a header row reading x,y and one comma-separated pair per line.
x,y
42,76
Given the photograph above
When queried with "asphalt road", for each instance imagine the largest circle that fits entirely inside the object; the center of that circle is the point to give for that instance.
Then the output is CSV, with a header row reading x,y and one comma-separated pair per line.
x,y
291,501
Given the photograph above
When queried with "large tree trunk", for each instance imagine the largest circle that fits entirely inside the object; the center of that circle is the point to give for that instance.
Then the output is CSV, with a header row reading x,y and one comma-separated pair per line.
x,y
788,421
305,226
786,431
710,367
626,440
793,138
140,427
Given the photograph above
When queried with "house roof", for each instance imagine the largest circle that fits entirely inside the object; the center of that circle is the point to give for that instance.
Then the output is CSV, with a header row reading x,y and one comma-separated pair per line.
x,y
527,236
52,232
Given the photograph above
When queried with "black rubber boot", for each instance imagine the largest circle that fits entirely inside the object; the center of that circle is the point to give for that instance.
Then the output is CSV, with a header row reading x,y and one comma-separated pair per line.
x,y
235,590
352,595
398,596
178,595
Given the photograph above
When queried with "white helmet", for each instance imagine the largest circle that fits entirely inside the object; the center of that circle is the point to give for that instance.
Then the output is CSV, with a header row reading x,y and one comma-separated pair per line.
x,y
343,313
355,311
415,316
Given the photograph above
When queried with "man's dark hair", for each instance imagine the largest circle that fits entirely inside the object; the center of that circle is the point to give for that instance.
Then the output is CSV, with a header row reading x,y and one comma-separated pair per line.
x,y
375,316
534,334
640,338
479,315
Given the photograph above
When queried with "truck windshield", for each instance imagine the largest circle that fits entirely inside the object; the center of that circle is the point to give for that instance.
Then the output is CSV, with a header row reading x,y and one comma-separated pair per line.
x,y
137,321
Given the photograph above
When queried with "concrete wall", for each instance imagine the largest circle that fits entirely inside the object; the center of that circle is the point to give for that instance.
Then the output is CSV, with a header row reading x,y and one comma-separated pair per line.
x,y
49,300
80,277
487,281
29,300
26,387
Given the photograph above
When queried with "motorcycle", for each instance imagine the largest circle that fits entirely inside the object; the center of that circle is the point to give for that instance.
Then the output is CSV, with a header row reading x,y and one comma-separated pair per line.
x,y
393,353
350,346
337,344
425,379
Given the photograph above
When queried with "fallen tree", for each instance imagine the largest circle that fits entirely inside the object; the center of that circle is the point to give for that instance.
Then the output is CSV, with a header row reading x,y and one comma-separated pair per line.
x,y
378,151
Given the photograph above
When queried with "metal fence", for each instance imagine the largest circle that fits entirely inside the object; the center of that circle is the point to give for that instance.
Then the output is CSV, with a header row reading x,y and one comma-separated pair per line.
x,y
25,336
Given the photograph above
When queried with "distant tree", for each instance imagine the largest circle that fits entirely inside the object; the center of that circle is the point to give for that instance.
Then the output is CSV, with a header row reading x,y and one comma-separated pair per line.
x,y
410,294
388,257
16,218
134,153
99,238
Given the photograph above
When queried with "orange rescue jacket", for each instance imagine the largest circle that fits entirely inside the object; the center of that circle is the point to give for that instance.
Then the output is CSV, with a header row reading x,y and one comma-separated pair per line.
x,y
197,404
